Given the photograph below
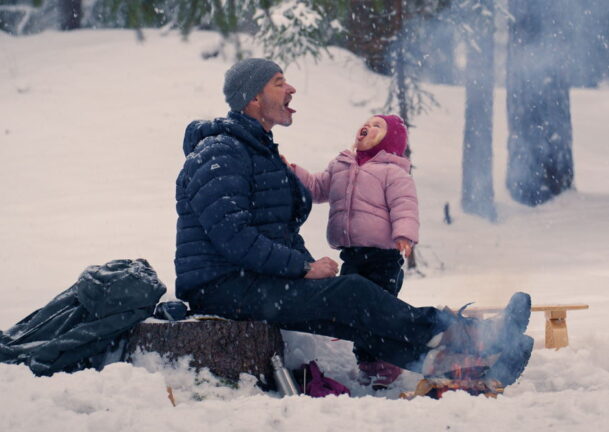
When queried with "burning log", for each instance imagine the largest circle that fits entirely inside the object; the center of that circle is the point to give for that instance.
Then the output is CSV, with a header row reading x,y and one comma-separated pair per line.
x,y
435,387
458,372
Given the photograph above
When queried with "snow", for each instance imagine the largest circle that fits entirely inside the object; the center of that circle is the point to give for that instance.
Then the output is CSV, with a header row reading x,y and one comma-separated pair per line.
x,y
91,124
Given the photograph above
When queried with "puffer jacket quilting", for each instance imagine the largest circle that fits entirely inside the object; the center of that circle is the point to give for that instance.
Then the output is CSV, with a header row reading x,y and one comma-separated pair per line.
x,y
370,205
239,206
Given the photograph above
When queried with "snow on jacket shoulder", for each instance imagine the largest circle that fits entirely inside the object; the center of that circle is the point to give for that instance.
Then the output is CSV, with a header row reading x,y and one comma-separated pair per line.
x,y
370,205
239,207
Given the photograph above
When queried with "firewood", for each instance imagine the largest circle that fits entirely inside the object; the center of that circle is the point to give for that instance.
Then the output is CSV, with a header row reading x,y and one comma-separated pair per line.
x,y
435,387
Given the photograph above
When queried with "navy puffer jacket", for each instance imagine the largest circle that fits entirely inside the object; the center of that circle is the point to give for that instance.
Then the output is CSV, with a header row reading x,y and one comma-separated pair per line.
x,y
239,206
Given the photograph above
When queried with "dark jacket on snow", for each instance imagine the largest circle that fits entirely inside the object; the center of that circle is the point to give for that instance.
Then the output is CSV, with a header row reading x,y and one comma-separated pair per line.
x,y
75,329
239,206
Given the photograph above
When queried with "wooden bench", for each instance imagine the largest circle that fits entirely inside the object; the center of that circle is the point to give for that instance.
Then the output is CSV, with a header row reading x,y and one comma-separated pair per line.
x,y
556,320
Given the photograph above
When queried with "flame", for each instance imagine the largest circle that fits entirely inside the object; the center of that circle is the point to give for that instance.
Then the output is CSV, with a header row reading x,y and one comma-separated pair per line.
x,y
436,387
471,367
459,372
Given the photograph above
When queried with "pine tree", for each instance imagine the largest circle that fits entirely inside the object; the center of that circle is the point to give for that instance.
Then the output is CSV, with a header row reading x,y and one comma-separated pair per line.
x,y
477,195
289,29
540,161
296,28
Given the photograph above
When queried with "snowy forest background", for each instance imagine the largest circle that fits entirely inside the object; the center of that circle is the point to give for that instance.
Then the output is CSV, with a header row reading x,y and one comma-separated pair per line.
x,y
542,49
507,102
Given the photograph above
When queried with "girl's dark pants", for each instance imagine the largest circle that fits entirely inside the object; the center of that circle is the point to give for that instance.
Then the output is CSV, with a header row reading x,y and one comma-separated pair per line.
x,y
347,307
381,266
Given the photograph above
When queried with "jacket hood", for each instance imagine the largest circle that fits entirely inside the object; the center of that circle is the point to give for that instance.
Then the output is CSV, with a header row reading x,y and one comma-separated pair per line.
x,y
381,157
394,141
239,125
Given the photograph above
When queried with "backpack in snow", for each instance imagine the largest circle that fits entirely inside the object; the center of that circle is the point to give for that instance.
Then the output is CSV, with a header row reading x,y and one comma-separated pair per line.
x,y
75,329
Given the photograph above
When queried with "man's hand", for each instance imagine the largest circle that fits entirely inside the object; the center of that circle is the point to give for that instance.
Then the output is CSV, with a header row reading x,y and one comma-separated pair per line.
x,y
403,245
322,268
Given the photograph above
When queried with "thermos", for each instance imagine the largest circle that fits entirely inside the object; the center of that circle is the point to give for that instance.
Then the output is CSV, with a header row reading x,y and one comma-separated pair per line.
x,y
283,377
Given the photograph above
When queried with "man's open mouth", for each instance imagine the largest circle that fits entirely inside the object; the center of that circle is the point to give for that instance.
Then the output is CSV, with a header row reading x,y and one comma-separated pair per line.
x,y
287,107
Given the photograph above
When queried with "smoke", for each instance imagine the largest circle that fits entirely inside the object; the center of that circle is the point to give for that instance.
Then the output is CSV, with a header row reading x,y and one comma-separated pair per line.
x,y
497,344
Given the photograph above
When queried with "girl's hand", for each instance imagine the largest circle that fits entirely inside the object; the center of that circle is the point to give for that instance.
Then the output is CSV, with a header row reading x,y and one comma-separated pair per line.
x,y
404,245
285,161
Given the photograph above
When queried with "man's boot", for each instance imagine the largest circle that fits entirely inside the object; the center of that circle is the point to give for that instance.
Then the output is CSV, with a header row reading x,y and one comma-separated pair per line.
x,y
512,361
494,348
489,336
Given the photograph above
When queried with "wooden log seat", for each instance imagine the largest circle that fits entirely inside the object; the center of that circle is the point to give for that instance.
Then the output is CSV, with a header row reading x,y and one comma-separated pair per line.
x,y
226,347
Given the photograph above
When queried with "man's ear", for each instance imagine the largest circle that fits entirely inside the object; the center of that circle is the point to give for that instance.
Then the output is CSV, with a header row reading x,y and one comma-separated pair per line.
x,y
253,106
256,99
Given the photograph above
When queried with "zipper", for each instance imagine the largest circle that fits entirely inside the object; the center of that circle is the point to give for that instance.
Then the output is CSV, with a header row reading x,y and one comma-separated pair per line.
x,y
350,187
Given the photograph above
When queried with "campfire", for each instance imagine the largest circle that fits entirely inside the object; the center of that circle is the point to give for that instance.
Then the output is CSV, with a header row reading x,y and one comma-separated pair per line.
x,y
468,374
435,387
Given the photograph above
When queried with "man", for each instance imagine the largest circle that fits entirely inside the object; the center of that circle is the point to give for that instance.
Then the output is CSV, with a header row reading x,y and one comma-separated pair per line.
x,y
240,255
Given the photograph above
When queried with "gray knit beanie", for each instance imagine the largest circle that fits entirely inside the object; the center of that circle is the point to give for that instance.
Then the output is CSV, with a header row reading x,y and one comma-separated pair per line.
x,y
245,79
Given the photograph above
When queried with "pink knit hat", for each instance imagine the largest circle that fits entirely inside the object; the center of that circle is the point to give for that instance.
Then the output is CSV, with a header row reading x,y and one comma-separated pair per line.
x,y
395,141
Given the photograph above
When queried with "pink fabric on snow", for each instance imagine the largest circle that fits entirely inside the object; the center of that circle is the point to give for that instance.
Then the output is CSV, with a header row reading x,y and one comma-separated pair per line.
x,y
370,205
379,373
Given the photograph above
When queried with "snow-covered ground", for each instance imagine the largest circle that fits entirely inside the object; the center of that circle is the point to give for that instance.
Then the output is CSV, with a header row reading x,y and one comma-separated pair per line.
x,y
91,125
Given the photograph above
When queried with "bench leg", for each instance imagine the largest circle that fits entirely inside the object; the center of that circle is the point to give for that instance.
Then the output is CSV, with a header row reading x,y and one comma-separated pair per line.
x,y
556,329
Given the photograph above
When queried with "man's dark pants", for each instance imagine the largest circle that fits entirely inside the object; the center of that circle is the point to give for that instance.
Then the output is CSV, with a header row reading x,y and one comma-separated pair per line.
x,y
347,307
381,266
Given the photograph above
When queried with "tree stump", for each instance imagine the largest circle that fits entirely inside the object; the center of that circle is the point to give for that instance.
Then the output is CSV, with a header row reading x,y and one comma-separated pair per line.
x,y
226,347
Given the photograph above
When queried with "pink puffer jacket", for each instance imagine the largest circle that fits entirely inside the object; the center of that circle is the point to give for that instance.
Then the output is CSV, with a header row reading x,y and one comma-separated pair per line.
x,y
370,205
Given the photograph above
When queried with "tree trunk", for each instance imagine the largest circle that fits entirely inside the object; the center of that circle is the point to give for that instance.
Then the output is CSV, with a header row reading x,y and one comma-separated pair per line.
x,y
70,14
226,347
540,163
372,27
477,195
589,60
402,90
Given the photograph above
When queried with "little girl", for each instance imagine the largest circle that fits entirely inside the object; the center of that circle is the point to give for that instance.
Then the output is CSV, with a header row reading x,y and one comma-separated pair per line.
x,y
374,216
